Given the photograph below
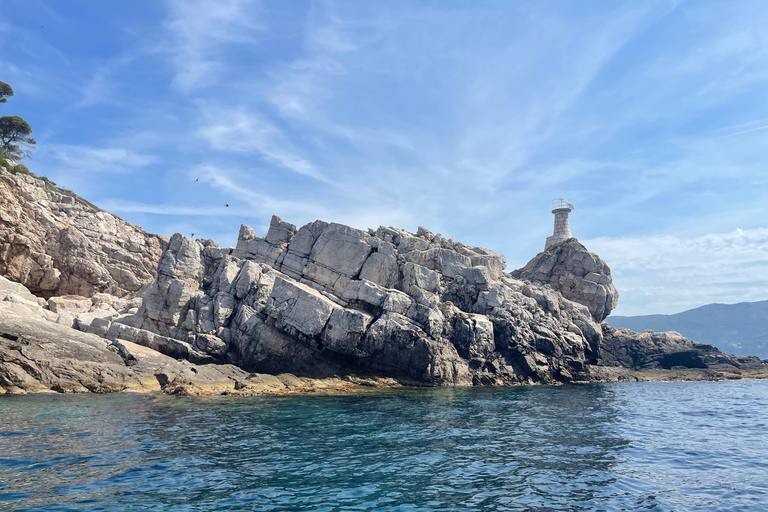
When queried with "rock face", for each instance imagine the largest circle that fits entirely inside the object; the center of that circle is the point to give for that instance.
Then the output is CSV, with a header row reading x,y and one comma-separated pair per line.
x,y
328,299
342,305
39,355
577,274
56,243
650,350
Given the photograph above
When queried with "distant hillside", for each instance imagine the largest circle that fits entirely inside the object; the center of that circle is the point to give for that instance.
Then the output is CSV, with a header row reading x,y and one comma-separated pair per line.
x,y
733,328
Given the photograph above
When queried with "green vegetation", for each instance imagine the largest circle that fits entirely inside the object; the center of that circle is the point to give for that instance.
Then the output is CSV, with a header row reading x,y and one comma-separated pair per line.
x,y
14,137
15,140
5,92
23,169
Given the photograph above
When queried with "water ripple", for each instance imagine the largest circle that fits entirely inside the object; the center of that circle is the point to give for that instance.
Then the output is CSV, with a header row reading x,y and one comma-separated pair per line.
x,y
659,446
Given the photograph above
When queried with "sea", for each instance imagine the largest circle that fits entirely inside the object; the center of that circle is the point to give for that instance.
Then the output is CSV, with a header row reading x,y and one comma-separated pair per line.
x,y
658,446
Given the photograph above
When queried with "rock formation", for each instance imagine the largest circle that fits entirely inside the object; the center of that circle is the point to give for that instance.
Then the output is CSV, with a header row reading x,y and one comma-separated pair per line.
x,y
325,301
650,350
576,273
39,355
329,299
56,243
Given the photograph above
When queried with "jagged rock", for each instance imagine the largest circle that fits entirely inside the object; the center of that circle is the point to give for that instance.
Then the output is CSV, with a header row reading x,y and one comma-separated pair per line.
x,y
297,308
57,243
653,350
329,299
580,276
321,301
38,355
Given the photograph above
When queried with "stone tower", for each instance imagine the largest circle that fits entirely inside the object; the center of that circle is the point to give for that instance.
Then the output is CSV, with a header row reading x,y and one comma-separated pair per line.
x,y
561,207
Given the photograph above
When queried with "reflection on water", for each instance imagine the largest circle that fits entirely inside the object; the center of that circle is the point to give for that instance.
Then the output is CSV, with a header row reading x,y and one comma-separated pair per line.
x,y
666,446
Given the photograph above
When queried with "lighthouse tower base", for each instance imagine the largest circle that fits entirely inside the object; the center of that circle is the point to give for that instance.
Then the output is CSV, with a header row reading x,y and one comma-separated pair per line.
x,y
562,228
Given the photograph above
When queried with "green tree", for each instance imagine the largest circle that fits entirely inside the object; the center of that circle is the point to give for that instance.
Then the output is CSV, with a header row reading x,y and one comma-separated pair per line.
x,y
14,137
15,141
5,92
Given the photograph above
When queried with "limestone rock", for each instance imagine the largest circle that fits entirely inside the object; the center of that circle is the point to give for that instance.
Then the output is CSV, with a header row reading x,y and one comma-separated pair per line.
x,y
577,274
297,308
328,299
70,304
57,243
653,350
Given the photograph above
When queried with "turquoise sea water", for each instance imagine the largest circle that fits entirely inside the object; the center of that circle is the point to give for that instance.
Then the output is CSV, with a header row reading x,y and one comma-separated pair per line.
x,y
659,446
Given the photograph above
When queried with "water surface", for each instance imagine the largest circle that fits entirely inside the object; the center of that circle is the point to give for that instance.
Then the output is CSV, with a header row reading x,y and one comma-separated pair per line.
x,y
659,446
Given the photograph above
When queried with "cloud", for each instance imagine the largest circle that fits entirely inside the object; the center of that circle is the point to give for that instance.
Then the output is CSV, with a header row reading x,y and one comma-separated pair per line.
x,y
668,274
304,206
201,30
100,87
240,131
90,159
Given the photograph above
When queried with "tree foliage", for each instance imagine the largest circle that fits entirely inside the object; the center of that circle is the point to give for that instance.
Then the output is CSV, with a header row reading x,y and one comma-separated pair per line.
x,y
14,137
15,141
5,92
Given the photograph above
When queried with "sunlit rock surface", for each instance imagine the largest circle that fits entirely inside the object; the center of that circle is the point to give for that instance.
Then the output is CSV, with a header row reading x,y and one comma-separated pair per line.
x,y
56,243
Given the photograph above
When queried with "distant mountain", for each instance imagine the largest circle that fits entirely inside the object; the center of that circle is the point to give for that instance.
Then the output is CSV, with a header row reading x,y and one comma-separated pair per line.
x,y
740,329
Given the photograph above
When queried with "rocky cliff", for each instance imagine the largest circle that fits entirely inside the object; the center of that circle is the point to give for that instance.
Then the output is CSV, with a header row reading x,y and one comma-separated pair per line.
x,y
328,299
56,243
324,301
37,354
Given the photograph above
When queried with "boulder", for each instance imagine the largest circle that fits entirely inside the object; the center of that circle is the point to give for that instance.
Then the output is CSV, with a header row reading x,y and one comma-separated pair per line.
x,y
580,276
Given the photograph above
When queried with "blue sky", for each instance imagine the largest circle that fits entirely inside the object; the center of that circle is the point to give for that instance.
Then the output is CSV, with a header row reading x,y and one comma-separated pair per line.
x,y
466,118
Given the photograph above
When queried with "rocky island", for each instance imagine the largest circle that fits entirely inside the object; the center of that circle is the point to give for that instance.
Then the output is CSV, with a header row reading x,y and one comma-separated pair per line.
x,y
89,302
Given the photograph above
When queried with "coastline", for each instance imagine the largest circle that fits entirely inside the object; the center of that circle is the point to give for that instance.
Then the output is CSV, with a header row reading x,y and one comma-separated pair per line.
x,y
320,308
58,359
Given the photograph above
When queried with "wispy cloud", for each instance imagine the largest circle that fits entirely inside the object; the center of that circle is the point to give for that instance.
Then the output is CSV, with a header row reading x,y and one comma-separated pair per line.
x,y
201,29
99,160
673,273
467,119
124,206
301,209
237,130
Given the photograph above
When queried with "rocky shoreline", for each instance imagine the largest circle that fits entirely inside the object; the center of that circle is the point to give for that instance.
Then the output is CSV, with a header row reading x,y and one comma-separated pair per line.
x,y
321,307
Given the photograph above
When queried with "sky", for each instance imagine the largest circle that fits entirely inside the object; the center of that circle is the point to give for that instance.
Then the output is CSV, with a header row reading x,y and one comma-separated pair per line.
x,y
466,118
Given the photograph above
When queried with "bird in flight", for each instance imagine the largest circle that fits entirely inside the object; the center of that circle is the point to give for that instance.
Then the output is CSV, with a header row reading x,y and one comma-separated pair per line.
x,y
193,234
226,205
198,179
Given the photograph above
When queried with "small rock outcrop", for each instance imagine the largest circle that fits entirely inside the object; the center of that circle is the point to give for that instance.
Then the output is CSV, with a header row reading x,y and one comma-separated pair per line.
x,y
579,275
56,243
649,350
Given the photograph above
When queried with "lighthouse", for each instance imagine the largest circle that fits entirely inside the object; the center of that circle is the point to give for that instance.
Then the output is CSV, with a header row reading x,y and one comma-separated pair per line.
x,y
561,207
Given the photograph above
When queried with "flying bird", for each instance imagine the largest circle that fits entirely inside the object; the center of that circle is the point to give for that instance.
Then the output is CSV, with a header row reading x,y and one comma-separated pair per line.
x,y
226,205
193,234
198,179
